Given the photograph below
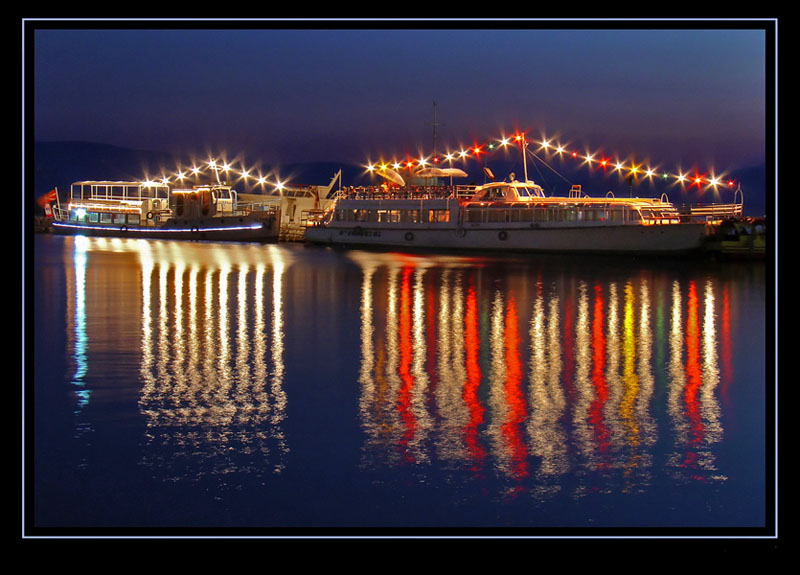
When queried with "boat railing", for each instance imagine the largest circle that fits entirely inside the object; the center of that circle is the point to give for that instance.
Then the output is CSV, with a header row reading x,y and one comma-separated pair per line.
x,y
464,191
403,193
575,191
270,206
710,212
117,190
60,214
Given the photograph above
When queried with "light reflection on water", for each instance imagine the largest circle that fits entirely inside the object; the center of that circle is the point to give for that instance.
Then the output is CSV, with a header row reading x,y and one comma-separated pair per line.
x,y
211,344
538,381
516,376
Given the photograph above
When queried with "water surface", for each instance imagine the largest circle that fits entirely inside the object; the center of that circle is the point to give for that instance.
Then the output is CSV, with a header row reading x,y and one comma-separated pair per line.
x,y
290,389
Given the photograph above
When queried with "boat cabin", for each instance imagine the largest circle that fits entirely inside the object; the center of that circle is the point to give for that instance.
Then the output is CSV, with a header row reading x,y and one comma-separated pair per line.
x,y
116,202
202,201
515,202
507,192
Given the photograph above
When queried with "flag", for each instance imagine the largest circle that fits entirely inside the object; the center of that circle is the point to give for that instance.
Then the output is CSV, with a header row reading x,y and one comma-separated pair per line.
x,y
46,199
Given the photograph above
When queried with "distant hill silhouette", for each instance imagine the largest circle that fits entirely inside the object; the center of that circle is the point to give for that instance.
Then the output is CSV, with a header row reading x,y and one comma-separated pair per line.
x,y
59,164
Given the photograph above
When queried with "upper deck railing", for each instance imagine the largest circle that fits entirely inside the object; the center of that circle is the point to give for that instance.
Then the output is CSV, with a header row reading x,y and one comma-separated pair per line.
x,y
117,190
710,212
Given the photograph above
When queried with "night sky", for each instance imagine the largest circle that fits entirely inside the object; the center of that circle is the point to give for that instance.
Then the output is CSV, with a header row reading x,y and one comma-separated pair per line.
x,y
331,92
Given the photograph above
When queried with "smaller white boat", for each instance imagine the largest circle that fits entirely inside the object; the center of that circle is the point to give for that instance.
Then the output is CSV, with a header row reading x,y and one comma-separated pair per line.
x,y
153,210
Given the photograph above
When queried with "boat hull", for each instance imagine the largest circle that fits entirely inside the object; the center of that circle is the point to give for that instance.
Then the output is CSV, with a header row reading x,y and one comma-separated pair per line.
x,y
234,228
641,239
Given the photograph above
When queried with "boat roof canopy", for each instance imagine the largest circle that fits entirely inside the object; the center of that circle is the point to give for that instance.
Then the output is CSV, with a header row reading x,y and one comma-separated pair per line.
x,y
508,191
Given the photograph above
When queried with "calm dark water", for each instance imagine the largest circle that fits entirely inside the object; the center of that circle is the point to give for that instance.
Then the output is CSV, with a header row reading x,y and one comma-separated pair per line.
x,y
298,390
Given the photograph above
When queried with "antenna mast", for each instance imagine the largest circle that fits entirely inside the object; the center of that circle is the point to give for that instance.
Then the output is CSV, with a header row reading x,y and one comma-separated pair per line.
x,y
524,158
434,128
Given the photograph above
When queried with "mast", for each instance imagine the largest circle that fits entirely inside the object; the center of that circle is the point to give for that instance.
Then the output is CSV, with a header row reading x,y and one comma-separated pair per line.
x,y
524,159
434,128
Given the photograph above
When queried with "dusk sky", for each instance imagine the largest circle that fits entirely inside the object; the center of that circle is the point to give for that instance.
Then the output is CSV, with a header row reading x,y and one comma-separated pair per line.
x,y
702,96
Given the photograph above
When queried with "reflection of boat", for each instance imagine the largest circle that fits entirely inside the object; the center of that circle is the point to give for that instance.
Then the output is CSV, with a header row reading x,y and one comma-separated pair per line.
x,y
152,210
511,216
553,372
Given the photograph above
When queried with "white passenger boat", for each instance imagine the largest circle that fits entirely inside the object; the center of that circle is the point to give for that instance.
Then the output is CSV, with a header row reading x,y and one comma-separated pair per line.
x,y
512,216
153,210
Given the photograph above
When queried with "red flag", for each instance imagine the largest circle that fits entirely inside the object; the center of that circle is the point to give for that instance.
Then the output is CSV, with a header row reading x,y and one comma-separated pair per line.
x,y
46,199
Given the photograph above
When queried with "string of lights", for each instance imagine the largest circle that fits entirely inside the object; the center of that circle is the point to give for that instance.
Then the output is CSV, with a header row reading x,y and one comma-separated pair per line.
x,y
478,151
231,172
589,160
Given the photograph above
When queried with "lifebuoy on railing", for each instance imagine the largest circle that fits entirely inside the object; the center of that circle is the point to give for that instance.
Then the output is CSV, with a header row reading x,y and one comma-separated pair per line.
x,y
195,229
409,236
150,215
503,236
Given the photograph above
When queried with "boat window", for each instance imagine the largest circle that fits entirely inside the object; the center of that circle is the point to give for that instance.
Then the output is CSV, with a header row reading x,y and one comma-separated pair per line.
x,y
498,215
412,216
438,216
523,192
493,194
388,215
205,202
105,218
474,216
570,214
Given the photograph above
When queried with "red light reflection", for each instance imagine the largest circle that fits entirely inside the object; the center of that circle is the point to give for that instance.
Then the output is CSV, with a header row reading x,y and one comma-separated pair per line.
x,y
404,369
513,393
470,394
596,418
693,379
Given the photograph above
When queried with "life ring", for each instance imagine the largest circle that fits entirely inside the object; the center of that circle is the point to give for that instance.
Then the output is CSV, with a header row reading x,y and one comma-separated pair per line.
x,y
123,229
150,215
503,236
461,232
409,236
195,229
